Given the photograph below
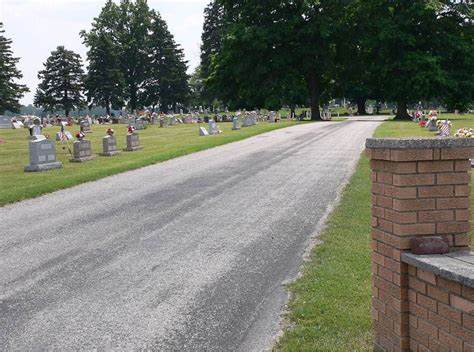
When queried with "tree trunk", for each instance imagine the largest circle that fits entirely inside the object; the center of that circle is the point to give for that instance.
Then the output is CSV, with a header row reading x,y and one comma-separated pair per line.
x,y
361,106
107,108
292,111
402,113
315,94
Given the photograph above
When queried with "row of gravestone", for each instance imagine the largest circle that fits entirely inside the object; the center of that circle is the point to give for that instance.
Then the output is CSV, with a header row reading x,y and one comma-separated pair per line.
x,y
42,151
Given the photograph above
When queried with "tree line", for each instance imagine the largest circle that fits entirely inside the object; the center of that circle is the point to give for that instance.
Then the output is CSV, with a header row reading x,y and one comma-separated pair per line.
x,y
133,61
270,53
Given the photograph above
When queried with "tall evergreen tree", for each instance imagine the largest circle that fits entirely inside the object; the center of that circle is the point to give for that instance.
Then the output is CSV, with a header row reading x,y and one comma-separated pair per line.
x,y
61,83
104,82
212,36
10,90
166,82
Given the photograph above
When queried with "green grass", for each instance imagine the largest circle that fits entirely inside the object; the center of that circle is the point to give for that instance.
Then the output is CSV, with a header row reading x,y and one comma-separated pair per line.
x,y
330,305
159,144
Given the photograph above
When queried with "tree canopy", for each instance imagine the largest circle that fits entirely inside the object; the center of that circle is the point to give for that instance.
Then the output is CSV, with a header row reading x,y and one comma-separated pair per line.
x,y
61,83
10,90
269,53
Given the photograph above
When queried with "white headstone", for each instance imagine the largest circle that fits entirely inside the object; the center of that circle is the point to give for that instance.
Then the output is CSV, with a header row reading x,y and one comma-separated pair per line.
x,y
203,132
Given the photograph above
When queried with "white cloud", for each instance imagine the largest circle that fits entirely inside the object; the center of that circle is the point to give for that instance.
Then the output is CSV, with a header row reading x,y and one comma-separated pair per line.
x,y
38,26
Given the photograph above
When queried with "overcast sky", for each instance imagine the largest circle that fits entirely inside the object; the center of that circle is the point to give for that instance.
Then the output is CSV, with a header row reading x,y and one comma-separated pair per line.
x,y
38,26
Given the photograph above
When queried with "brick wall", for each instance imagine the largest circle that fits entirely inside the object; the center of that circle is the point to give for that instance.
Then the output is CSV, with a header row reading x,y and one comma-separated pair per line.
x,y
441,313
419,188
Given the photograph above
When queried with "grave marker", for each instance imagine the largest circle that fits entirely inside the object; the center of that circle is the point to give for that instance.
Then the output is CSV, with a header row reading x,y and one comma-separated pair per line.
x,y
42,155
82,150
109,144
5,121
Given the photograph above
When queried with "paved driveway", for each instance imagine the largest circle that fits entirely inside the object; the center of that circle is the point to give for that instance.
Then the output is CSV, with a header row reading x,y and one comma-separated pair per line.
x,y
189,254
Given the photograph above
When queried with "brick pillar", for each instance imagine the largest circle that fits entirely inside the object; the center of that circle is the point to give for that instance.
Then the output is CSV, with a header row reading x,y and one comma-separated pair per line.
x,y
420,187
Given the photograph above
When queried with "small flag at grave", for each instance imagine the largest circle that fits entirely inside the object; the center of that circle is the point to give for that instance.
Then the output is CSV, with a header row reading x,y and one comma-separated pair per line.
x,y
445,129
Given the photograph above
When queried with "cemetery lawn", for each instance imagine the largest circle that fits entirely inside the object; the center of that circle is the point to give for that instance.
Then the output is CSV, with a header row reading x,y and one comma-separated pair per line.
x,y
159,144
329,309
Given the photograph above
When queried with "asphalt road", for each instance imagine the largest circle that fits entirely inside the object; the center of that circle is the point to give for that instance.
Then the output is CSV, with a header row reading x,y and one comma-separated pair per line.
x,y
187,255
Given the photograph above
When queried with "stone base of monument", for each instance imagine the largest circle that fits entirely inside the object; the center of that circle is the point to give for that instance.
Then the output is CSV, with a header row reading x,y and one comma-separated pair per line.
x,y
236,128
82,159
116,152
133,149
43,167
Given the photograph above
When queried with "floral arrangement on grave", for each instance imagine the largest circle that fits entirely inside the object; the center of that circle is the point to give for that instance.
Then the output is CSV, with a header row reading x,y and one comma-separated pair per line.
x,y
423,123
442,122
131,129
80,136
465,133
110,131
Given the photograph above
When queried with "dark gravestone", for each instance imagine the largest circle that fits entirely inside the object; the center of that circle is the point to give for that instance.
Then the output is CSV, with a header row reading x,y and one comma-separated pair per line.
x,y
133,143
109,146
82,151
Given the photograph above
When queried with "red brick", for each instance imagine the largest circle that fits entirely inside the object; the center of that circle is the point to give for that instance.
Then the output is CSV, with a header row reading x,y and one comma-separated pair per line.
x,y
427,328
373,176
435,191
453,203
436,216
397,242
401,217
385,273
385,202
450,340
378,188
426,302
449,313
462,240
457,153
462,165
468,321
414,229
462,304
417,285
385,225
400,279
420,337
378,305
461,332
452,178
437,294
374,222
468,347
435,166
463,215
377,258
453,227
414,180
467,292
400,167
412,270
426,276
436,154
380,154
385,249
449,285
413,204
400,192
384,177
377,165
418,310
438,320
434,345
462,191
378,212
411,154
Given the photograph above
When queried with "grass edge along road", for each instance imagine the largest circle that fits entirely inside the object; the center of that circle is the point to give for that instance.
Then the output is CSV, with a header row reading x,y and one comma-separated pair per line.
x,y
159,145
329,308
